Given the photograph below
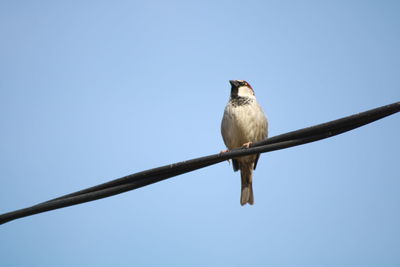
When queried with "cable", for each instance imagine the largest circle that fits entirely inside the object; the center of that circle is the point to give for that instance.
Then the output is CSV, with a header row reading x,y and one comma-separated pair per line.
x,y
140,179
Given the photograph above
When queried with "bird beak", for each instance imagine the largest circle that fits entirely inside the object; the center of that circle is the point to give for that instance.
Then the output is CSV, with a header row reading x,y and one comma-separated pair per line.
x,y
233,83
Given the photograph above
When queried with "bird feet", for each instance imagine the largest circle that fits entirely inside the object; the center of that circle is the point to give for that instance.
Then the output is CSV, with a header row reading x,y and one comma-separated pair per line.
x,y
247,145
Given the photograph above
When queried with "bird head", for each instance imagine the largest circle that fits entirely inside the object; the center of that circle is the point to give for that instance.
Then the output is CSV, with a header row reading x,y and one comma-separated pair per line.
x,y
241,88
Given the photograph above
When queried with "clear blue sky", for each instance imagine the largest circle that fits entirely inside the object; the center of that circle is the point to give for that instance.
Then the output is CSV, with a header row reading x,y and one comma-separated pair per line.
x,y
95,90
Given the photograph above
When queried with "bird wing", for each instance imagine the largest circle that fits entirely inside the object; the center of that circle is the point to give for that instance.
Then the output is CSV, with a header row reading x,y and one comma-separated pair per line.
x,y
235,165
255,162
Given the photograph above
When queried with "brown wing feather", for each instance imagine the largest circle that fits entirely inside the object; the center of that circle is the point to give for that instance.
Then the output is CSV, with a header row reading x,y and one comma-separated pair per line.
x,y
255,162
236,165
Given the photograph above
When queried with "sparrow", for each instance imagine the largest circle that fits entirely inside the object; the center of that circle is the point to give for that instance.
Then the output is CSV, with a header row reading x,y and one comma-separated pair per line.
x,y
243,123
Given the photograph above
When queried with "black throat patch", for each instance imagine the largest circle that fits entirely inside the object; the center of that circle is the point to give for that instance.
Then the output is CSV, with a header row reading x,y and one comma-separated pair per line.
x,y
240,101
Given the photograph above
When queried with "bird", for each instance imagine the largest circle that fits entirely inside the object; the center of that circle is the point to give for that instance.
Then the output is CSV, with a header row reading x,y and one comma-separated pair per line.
x,y
243,123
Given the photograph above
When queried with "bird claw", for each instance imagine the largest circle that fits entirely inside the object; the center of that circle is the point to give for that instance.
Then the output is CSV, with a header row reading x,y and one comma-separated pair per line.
x,y
247,145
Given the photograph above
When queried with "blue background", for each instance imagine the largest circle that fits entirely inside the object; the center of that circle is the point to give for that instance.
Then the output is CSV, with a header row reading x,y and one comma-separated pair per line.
x,y
95,90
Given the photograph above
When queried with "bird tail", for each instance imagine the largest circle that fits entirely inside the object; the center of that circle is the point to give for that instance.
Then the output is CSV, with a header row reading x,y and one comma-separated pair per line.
x,y
246,173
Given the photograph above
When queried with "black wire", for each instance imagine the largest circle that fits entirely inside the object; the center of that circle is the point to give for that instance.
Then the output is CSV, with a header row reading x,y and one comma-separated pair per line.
x,y
151,176
348,123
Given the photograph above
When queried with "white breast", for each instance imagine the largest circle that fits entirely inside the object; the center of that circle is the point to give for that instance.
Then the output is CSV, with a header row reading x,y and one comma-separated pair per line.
x,y
243,123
